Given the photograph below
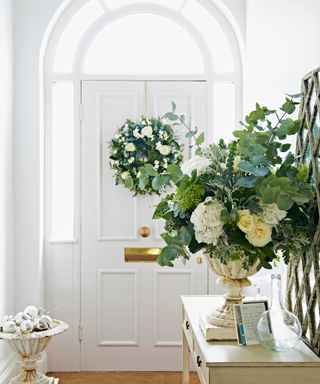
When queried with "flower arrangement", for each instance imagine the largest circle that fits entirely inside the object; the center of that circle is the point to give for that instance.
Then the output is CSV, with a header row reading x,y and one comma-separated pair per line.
x,y
141,155
246,200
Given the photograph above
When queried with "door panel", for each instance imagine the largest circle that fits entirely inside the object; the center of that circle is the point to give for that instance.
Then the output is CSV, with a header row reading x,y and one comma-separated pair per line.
x,y
125,306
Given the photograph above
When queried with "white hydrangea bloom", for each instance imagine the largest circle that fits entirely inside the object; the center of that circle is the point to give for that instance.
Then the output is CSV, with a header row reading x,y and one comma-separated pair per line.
x,y
199,163
271,214
207,222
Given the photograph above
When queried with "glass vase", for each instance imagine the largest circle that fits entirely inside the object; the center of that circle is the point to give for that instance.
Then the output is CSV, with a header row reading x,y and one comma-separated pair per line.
x,y
278,329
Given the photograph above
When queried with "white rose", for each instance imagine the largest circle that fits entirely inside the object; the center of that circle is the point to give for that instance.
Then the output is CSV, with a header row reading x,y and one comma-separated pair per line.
x,y
272,214
130,147
124,175
199,163
147,131
207,222
260,235
164,150
245,221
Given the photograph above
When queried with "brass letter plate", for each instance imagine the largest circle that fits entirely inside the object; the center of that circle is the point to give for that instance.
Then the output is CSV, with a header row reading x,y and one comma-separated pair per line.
x,y
141,254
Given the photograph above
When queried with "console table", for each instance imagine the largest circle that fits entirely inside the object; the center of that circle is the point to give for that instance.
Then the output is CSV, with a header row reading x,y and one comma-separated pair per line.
x,y
229,363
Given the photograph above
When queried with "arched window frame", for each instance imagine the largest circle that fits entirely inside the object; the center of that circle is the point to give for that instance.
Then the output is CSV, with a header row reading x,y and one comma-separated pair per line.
x,y
48,77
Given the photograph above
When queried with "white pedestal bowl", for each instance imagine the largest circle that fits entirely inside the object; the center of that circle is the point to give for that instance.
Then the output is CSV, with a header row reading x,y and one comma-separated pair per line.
x,y
29,347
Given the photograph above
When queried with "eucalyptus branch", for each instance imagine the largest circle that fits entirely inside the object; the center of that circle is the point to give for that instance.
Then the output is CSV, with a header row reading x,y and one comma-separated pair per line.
x,y
277,125
192,133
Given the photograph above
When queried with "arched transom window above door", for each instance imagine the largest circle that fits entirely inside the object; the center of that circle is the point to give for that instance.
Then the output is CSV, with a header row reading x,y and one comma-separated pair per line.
x,y
162,36
171,40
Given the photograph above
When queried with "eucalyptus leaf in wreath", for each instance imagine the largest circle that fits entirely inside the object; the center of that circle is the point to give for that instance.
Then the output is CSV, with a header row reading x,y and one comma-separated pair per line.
x,y
142,153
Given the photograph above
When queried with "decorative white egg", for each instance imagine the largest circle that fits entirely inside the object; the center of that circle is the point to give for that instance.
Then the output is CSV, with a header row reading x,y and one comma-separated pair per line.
x,y
48,320
27,326
32,311
40,324
19,317
9,326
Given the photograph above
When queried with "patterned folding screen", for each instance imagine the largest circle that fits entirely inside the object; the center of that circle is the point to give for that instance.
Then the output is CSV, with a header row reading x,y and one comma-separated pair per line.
x,y
303,287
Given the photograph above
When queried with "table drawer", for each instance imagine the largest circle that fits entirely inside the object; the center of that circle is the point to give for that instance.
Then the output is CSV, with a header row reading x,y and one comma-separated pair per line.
x,y
188,330
200,363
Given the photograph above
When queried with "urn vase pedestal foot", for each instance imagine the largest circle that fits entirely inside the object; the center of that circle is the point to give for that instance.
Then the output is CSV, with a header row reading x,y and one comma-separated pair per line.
x,y
219,323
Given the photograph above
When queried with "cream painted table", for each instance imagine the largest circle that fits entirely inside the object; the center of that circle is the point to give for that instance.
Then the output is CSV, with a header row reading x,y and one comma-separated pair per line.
x,y
228,363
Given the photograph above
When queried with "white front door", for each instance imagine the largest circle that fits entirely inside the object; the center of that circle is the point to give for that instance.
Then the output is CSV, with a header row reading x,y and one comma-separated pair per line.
x,y
130,312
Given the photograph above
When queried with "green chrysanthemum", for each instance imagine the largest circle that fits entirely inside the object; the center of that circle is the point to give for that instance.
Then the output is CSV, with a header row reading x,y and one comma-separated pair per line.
x,y
189,198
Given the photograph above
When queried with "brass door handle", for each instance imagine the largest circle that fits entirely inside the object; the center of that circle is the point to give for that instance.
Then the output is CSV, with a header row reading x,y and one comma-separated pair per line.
x,y
144,231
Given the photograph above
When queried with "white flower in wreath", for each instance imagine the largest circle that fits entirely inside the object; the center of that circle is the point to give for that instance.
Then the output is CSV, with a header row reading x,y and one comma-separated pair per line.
x,y
271,214
131,160
163,135
124,175
207,222
136,133
199,163
130,147
147,131
138,174
164,150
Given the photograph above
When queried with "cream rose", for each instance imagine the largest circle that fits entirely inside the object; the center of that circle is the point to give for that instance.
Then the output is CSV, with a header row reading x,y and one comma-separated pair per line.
x,y
130,147
164,150
199,163
260,235
272,214
245,221
147,131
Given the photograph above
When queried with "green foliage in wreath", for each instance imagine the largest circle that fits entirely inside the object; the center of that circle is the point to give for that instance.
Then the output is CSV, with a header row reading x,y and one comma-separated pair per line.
x,y
141,154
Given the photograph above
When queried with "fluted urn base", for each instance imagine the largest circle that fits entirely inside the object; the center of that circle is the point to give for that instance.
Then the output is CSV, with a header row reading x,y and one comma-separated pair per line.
x,y
234,277
28,348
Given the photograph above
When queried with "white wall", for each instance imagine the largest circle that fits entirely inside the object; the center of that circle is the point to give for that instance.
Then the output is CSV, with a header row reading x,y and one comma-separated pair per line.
x,y
31,19
282,46
6,213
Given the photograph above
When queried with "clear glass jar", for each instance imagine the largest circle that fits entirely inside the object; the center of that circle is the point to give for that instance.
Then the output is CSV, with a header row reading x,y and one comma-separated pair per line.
x,y
278,329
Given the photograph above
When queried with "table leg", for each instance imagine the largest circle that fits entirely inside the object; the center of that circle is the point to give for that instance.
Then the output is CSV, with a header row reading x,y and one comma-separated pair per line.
x,y
185,360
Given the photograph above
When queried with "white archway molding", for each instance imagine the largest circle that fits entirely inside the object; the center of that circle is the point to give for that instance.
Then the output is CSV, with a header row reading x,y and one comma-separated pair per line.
x,y
68,8
128,10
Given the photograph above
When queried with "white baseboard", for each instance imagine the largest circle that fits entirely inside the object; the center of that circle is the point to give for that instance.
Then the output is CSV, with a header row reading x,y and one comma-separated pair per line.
x,y
10,367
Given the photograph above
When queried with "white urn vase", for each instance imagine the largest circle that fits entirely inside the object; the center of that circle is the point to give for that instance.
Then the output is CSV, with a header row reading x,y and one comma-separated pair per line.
x,y
234,277
28,348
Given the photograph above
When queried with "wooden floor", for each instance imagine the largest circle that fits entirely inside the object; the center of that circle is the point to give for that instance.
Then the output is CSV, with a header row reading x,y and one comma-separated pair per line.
x,y
122,377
